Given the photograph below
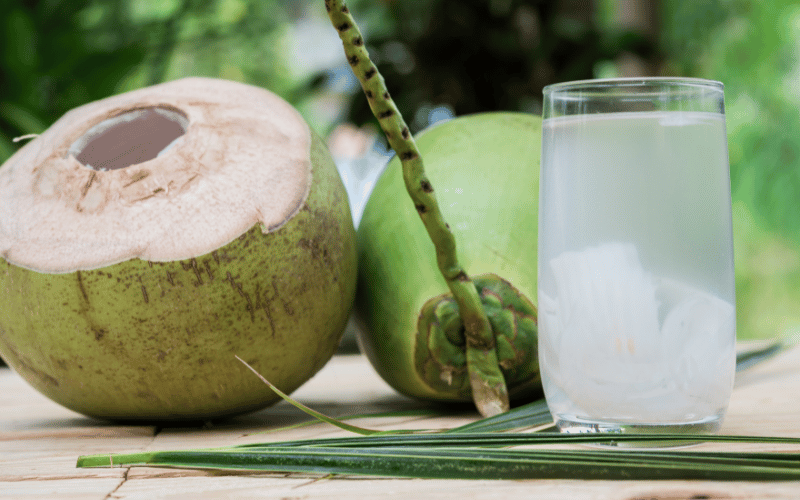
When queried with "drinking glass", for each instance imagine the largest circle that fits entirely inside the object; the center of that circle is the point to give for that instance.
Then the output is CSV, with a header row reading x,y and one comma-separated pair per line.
x,y
637,322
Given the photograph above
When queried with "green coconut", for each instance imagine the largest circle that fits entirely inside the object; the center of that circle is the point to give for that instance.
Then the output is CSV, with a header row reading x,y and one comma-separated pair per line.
x,y
149,238
485,168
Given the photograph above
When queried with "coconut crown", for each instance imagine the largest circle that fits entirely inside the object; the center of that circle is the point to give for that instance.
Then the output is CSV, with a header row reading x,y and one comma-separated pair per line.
x,y
163,173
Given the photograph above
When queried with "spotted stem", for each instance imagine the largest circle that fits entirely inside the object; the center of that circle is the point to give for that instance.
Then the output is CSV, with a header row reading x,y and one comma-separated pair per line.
x,y
489,390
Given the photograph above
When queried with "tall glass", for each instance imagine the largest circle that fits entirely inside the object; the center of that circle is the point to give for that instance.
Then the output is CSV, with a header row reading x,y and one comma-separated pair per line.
x,y
637,322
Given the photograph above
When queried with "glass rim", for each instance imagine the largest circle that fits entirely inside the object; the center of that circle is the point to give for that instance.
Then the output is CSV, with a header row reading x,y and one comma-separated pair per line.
x,y
632,82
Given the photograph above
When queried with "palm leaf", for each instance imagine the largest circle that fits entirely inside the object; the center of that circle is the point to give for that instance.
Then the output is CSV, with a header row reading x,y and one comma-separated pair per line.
x,y
431,461
749,358
527,416
482,450
494,439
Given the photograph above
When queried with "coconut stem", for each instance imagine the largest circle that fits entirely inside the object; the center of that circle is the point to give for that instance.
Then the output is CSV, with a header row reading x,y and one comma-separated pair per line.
x,y
488,385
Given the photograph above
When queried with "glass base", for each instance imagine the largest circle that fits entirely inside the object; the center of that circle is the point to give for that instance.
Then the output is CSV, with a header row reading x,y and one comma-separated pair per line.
x,y
572,425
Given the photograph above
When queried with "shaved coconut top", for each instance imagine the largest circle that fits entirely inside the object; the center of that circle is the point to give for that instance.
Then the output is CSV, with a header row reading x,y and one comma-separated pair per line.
x,y
221,156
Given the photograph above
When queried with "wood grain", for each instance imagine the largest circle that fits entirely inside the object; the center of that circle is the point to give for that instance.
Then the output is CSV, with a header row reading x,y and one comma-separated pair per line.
x,y
40,441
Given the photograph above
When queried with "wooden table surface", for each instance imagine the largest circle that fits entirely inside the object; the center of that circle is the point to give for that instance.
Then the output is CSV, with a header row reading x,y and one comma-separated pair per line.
x,y
40,442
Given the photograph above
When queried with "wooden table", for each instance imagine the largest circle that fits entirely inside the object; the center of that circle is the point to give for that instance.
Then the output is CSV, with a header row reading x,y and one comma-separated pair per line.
x,y
40,442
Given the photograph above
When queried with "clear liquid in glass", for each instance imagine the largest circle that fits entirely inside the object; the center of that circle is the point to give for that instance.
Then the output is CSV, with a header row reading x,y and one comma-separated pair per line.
x,y
636,290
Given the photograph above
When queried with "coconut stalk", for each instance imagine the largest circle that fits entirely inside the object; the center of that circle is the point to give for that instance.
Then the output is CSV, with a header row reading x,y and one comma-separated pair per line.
x,y
489,391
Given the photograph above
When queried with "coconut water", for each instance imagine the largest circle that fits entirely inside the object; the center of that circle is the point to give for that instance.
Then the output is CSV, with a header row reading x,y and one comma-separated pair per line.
x,y
636,283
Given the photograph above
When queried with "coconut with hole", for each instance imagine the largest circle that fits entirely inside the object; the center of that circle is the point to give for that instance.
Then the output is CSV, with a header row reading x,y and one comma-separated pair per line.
x,y
149,238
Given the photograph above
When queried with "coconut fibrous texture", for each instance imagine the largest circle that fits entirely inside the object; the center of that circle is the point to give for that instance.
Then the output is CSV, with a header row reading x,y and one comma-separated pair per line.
x,y
149,238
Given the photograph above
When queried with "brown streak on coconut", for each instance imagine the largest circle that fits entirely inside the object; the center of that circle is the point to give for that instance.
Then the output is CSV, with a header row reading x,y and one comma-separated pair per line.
x,y
85,189
192,265
288,309
79,278
138,176
240,290
207,267
273,330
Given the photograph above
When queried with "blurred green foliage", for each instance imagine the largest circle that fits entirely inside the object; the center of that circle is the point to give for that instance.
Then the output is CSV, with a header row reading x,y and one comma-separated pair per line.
x,y
461,55
479,55
753,47
470,55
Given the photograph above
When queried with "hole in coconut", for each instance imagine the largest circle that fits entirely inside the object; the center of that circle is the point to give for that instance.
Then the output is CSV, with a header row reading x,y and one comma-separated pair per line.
x,y
130,138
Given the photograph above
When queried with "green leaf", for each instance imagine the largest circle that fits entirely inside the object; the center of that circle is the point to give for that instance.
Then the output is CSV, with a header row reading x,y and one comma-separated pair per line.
x,y
750,358
492,439
386,414
527,416
324,418
476,463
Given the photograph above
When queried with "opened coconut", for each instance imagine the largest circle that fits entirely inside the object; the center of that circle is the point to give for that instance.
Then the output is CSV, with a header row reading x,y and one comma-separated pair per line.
x,y
149,238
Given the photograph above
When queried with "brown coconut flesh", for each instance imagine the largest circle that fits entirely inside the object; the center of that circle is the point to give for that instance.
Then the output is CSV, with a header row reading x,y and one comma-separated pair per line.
x,y
164,173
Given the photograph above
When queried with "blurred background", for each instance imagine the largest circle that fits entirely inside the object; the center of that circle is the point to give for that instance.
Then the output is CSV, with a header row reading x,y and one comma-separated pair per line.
x,y
445,58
